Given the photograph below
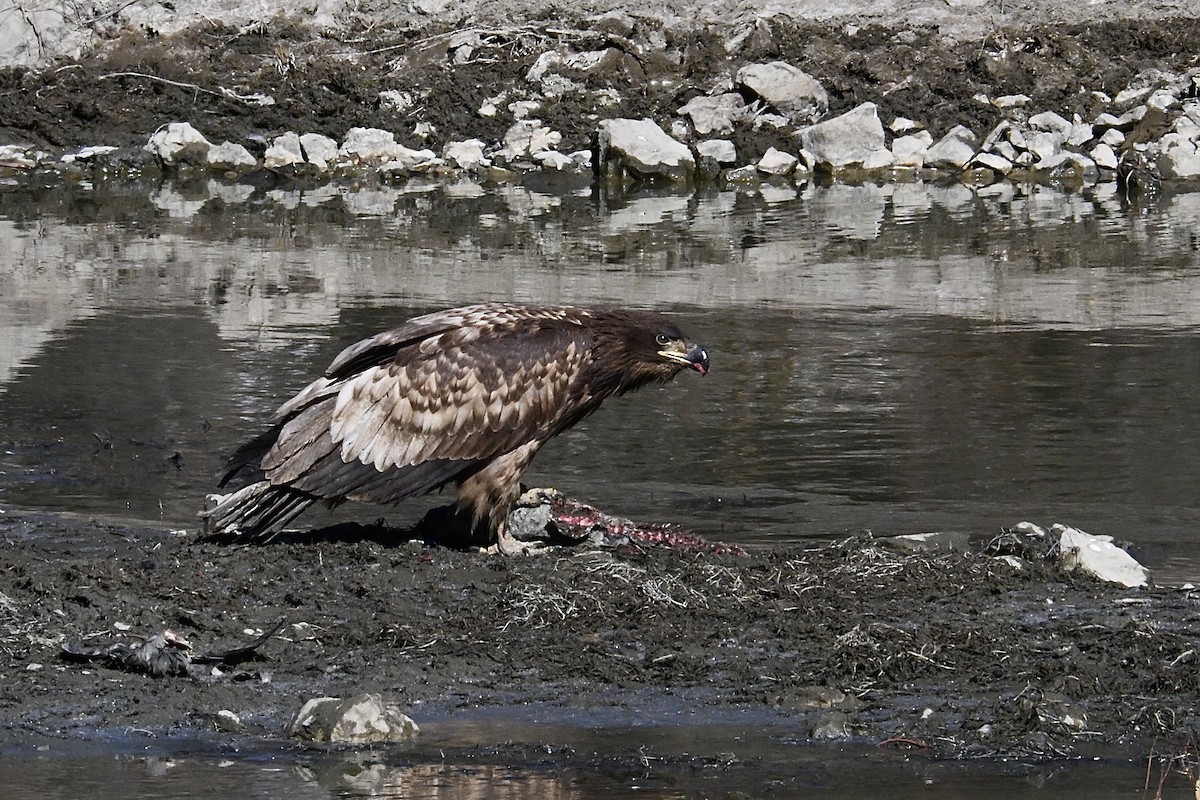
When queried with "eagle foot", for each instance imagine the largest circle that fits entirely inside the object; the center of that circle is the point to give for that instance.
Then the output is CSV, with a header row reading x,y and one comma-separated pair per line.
x,y
506,545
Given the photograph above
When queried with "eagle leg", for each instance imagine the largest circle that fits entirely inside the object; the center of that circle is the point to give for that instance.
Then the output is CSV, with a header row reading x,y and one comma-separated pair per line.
x,y
490,494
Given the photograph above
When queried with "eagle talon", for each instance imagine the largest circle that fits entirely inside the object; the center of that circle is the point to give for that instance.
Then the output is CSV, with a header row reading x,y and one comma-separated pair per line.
x,y
506,545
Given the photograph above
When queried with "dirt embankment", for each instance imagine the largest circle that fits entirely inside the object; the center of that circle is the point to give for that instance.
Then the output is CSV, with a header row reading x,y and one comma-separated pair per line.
x,y
327,80
847,640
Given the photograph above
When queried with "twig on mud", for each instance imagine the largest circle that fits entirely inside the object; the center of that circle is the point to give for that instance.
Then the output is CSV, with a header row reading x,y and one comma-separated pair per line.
x,y
1186,654
228,94
920,656
905,741
108,14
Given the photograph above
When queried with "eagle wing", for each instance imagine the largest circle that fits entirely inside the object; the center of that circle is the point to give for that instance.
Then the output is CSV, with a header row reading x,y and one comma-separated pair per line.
x,y
416,406
458,397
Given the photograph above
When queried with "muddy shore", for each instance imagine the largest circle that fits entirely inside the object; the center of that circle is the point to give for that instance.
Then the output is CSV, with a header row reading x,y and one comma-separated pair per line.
x,y
957,654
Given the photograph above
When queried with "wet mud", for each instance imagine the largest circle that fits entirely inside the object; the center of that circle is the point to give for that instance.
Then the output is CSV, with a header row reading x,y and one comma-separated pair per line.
x,y
955,655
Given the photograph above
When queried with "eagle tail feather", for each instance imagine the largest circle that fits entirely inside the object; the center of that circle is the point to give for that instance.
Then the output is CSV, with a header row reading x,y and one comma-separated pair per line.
x,y
256,512
249,456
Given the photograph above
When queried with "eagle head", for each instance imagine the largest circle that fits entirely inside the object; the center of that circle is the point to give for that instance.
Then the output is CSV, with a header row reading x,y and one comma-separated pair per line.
x,y
637,348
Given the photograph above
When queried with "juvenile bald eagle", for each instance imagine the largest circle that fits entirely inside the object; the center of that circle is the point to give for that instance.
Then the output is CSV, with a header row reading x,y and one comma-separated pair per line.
x,y
464,397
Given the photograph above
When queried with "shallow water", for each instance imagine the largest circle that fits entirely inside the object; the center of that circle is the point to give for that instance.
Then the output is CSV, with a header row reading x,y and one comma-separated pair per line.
x,y
894,359
575,763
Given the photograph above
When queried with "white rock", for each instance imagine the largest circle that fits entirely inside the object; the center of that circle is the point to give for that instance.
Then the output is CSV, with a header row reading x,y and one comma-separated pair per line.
x,y
466,154
231,156
777,162
992,161
405,159
903,125
363,719
583,158
1069,164
847,139
1180,161
177,143
1097,556
1191,110
545,63
640,146
1044,146
720,150
715,114
1104,156
82,154
1172,139
284,151
1162,99
228,721
1031,529
423,130
552,159
1005,150
1127,96
1016,563
589,60
774,121
528,136
1051,163
320,151
1011,101
1125,122
1186,126
1080,134
17,155
368,145
953,150
790,90
491,105
1051,122
1113,138
523,109
395,100
995,135
879,159
931,542
909,151
746,174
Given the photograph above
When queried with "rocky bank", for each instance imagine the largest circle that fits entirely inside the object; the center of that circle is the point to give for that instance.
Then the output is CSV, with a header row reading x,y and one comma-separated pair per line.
x,y
779,92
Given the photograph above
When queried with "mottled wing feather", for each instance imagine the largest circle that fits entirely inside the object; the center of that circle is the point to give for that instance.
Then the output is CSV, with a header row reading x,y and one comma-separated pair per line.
x,y
460,395
464,324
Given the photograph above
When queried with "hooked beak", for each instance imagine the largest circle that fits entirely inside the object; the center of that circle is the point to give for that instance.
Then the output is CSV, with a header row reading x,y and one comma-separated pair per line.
x,y
695,357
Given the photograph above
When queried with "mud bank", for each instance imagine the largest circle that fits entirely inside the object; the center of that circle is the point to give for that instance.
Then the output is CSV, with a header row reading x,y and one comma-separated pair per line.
x,y
959,655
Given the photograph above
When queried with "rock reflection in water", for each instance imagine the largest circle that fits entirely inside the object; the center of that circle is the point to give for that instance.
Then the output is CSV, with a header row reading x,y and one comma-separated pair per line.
x,y
763,766
452,781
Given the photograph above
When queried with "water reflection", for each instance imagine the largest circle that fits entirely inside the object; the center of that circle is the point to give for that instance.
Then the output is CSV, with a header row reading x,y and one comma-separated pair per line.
x,y
756,766
899,358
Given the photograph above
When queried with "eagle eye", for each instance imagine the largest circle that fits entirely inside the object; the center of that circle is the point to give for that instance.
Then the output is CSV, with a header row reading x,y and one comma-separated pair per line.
x,y
662,339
